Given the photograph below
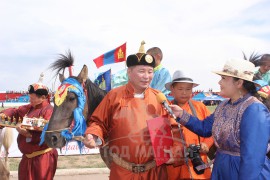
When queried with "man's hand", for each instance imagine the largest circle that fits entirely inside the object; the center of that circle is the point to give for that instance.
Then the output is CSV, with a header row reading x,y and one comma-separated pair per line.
x,y
204,148
171,160
23,131
178,111
89,141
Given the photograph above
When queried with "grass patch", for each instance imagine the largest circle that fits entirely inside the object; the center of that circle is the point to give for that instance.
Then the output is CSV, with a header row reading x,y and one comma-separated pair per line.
x,y
211,108
14,163
80,161
69,162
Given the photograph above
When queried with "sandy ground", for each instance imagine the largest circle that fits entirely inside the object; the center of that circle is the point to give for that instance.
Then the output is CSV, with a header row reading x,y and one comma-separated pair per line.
x,y
72,168
83,177
75,174
76,177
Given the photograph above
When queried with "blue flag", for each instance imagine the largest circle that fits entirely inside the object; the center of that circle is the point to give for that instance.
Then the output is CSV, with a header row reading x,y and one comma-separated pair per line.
x,y
104,80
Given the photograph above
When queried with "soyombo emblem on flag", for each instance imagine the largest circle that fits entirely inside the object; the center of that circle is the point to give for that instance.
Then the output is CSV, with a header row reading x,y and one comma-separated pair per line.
x,y
104,80
114,56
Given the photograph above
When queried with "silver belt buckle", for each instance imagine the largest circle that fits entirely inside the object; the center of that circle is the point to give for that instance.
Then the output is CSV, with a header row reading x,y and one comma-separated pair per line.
x,y
138,168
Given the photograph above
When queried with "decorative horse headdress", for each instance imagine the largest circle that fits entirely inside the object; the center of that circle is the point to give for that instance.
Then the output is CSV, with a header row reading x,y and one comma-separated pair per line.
x,y
78,126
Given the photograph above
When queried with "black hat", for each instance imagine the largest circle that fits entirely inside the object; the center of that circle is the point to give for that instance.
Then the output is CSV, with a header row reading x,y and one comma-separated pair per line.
x,y
141,58
38,88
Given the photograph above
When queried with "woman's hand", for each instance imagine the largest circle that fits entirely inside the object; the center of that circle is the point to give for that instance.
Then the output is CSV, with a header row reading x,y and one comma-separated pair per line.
x,y
2,117
23,131
178,111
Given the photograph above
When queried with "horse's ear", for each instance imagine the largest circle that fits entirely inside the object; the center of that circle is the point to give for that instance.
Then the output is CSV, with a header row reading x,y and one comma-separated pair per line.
x,y
61,77
82,77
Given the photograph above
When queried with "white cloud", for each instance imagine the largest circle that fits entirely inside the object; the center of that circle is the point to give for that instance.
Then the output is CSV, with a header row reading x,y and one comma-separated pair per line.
x,y
197,36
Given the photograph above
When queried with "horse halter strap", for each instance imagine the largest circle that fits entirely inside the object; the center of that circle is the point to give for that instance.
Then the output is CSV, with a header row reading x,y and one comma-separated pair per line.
x,y
80,123
70,85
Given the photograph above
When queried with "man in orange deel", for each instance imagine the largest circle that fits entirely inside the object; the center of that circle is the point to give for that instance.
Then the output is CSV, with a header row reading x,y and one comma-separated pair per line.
x,y
197,147
120,122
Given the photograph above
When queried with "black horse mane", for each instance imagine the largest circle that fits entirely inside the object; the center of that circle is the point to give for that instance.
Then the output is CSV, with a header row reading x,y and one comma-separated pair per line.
x,y
253,58
62,62
95,94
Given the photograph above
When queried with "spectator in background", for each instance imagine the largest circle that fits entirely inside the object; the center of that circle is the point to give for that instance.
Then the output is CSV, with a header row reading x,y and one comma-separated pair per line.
x,y
181,89
161,74
264,67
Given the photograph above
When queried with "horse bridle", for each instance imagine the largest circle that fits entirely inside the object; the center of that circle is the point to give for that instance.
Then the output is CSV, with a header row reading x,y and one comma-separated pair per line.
x,y
56,130
70,85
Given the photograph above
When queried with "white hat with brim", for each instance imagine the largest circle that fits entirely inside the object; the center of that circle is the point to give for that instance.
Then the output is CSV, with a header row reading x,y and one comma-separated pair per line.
x,y
180,77
238,68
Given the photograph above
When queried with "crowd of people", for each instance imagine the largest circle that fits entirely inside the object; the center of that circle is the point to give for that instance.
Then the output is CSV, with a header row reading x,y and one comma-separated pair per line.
x,y
239,128
234,127
16,92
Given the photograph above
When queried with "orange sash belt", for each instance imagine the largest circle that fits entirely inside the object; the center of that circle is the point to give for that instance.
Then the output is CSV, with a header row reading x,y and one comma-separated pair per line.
x,y
37,153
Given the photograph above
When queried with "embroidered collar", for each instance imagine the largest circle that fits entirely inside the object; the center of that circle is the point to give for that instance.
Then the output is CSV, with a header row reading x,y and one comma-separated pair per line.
x,y
239,100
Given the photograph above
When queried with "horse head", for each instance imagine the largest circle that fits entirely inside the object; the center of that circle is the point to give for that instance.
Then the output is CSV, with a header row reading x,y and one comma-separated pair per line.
x,y
74,101
69,104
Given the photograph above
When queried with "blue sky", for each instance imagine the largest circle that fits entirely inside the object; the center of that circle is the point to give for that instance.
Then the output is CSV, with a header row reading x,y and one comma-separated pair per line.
x,y
195,36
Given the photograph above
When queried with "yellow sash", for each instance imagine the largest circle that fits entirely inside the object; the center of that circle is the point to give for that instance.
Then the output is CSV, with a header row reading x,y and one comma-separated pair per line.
x,y
37,153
